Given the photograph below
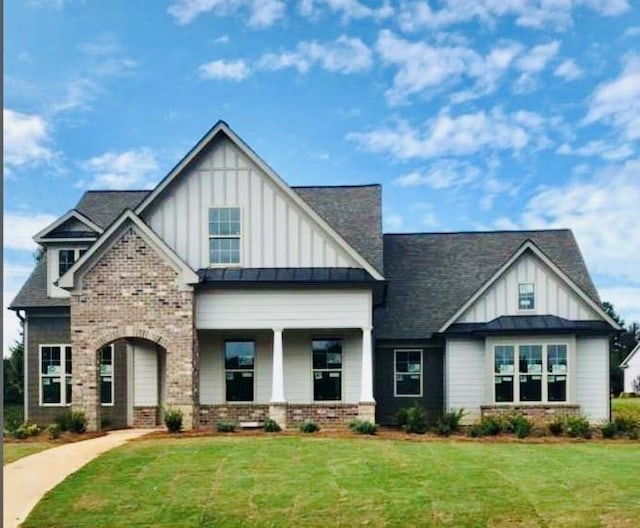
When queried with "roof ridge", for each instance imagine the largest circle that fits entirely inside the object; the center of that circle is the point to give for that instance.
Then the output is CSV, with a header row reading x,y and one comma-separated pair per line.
x,y
485,232
116,190
335,186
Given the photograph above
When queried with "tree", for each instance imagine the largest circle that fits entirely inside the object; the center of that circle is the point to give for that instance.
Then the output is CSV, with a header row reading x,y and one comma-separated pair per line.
x,y
14,374
620,345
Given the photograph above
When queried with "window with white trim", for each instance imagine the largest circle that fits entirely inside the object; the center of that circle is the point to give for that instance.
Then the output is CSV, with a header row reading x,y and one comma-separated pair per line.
x,y
408,372
540,376
526,296
239,364
55,375
107,375
224,235
67,258
327,369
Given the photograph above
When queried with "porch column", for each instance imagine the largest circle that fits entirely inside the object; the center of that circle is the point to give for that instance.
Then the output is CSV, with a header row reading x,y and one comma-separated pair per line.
x,y
277,405
366,405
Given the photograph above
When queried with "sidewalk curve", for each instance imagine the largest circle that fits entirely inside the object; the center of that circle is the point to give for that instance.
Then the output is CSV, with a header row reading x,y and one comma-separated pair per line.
x,y
27,480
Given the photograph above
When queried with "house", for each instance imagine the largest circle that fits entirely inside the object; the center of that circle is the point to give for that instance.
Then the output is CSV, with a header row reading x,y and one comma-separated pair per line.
x,y
227,294
631,366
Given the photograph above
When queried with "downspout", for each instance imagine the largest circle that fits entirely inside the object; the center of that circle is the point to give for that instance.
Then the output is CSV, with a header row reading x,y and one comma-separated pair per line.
x,y
25,364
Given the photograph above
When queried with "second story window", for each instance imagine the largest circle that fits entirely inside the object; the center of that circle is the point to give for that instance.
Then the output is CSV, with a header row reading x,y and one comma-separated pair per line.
x,y
526,296
224,235
66,258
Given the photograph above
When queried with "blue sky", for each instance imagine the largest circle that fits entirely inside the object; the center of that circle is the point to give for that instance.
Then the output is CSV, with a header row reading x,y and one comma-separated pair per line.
x,y
473,114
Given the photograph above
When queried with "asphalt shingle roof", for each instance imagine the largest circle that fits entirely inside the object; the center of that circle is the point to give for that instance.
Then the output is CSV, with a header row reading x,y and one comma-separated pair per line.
x,y
103,207
431,275
34,292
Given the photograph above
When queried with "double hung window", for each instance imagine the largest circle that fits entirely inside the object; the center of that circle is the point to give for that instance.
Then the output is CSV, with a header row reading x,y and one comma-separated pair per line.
x,y
239,364
224,235
327,369
55,374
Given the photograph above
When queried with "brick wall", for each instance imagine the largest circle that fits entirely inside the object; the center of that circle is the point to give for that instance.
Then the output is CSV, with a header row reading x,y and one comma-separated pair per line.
x,y
324,414
540,414
145,417
211,414
132,292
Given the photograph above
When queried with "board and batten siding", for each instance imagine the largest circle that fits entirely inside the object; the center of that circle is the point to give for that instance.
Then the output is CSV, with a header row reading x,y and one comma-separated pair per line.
x,y
466,375
276,232
298,372
592,377
552,295
145,373
283,308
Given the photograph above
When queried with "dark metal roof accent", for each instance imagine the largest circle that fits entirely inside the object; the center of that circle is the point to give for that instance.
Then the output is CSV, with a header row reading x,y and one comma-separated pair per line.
x,y
510,324
103,207
71,234
33,293
431,275
285,275
355,212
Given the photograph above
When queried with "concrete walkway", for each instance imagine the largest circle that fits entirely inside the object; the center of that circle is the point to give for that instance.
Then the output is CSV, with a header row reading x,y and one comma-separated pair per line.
x,y
28,479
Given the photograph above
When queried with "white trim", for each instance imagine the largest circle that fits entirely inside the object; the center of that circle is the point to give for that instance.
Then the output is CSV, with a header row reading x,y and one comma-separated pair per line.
x,y
533,308
62,375
625,361
529,245
25,366
188,276
113,375
313,370
222,127
395,384
209,236
38,237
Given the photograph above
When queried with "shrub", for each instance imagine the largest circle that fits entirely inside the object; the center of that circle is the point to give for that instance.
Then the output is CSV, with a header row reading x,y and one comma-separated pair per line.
x,y
556,426
635,434
413,419
449,422
475,431
608,430
519,425
77,422
271,426
491,425
173,420
63,420
25,430
363,427
309,426
625,422
226,427
577,427
54,431
20,433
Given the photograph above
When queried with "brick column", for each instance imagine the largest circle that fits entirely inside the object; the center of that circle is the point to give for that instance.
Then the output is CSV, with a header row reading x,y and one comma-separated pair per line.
x,y
85,389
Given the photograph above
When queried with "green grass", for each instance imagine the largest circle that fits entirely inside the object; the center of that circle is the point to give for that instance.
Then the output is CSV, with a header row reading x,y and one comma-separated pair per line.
x,y
627,406
13,452
294,481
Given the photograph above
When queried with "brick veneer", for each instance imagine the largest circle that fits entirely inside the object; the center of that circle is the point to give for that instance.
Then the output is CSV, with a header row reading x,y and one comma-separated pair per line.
x,y
538,413
323,413
249,412
131,292
145,416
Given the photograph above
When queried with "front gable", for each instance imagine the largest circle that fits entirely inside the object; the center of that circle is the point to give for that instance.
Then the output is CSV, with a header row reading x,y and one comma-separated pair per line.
x,y
278,229
72,226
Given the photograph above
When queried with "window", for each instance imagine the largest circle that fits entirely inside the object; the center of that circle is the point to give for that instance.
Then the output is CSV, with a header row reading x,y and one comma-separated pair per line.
x,y
66,258
224,235
106,375
526,297
408,372
541,375
503,372
55,375
239,362
327,369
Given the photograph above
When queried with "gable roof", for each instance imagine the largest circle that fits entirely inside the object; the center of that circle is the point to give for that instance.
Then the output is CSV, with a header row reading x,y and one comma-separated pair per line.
x,y
430,276
48,233
33,293
625,362
103,207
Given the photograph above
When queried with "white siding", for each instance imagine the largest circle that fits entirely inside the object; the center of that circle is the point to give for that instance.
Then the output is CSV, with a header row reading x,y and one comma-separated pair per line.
x,y
52,267
632,372
297,365
466,375
145,374
592,377
552,295
275,231
283,308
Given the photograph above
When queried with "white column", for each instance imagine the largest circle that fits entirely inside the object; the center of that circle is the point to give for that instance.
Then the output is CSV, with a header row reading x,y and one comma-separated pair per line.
x,y
366,387
277,381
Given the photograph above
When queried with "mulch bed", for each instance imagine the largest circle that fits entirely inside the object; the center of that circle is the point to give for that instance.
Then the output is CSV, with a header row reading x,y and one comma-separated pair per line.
x,y
65,438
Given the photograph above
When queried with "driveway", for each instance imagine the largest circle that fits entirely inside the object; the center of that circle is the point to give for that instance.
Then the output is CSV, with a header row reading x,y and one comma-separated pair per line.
x,y
28,479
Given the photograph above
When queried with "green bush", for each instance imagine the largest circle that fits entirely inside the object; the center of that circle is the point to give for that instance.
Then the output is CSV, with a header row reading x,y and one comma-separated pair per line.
x,y
449,422
625,423
25,430
13,417
363,427
413,419
77,422
309,426
63,420
577,427
475,431
20,433
519,425
491,425
271,426
54,431
634,435
556,426
173,420
226,427
608,430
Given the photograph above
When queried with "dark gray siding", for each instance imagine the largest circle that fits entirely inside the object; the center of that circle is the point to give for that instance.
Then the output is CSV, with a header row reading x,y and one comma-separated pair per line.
x,y
115,416
387,405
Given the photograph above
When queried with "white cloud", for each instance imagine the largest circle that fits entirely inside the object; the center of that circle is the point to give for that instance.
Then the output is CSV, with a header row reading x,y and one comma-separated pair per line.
x,y
343,55
136,168
534,62
349,9
262,13
15,275
618,102
393,222
236,70
624,300
447,135
600,148
106,57
26,139
568,70
442,174
222,39
19,228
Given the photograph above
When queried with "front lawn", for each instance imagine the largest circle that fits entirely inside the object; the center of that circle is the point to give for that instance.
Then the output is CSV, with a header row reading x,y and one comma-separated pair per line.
x,y
626,406
311,481
13,452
